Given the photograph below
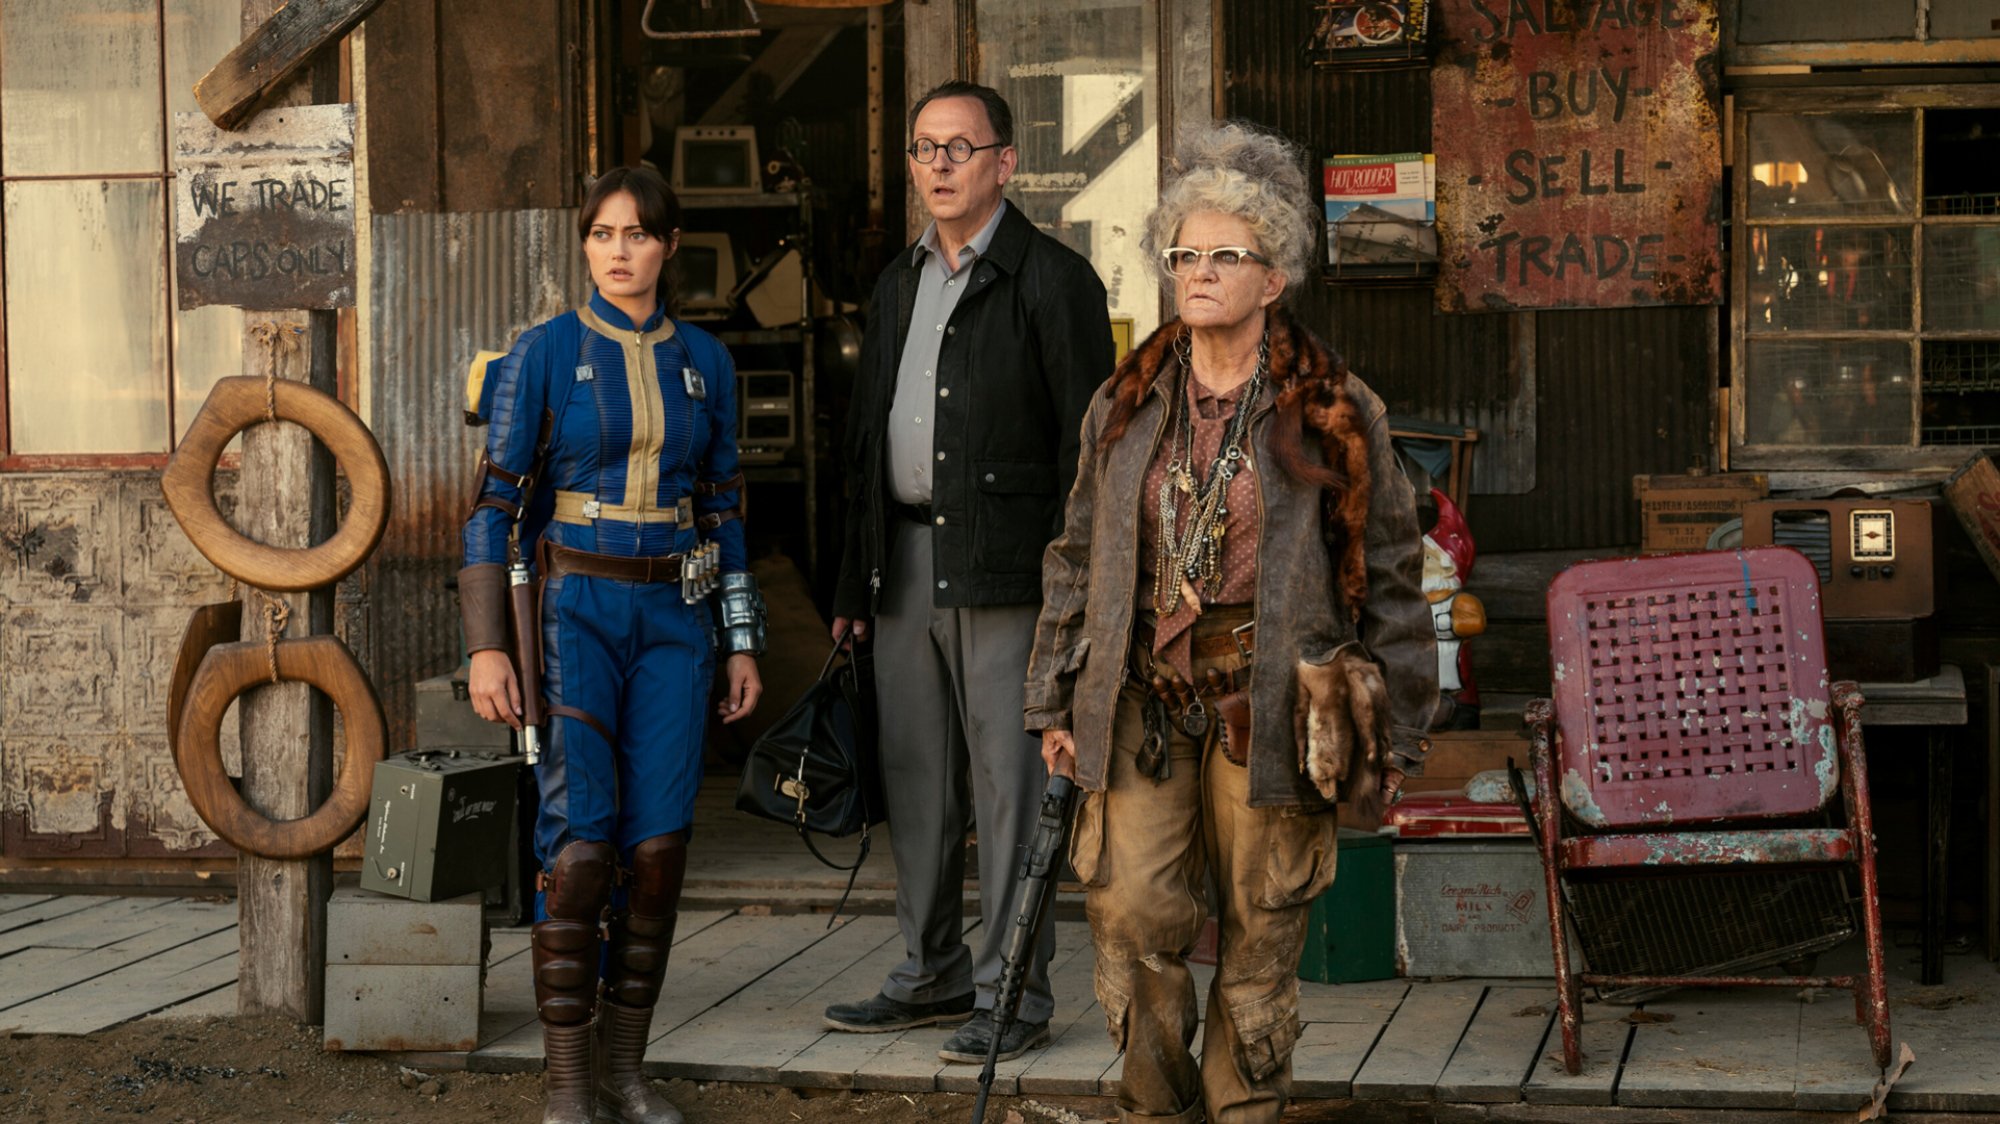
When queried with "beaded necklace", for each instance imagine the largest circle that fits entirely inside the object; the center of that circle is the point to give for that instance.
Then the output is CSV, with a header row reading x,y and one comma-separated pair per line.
x,y
1195,554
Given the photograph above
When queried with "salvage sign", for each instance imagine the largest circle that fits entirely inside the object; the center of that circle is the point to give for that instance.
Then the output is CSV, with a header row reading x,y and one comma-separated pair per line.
x,y
264,215
1579,159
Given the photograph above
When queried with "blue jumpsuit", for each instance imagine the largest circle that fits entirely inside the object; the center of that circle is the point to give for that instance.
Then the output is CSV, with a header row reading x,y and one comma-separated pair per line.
x,y
637,415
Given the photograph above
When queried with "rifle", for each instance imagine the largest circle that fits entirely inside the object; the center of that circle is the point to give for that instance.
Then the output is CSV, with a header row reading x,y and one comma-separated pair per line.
x,y
1041,867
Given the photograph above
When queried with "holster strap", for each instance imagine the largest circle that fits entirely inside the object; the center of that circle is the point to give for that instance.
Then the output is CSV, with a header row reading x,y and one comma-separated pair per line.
x,y
583,509
586,718
717,487
716,519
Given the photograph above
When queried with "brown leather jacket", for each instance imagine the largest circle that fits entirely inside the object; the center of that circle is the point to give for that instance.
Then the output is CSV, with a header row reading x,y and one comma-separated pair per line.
x,y
1090,574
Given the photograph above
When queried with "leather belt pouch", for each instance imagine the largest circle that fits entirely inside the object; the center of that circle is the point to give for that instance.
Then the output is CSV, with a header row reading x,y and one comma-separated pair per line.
x,y
1234,708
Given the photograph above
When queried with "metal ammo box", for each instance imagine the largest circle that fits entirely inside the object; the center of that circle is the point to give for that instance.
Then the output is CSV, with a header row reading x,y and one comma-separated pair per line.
x,y
439,822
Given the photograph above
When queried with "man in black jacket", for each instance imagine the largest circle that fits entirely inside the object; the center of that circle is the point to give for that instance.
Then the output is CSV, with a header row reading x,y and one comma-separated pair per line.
x,y
985,342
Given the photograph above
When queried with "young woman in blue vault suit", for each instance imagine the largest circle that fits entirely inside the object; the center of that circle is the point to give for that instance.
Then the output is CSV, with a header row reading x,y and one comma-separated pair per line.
x,y
618,423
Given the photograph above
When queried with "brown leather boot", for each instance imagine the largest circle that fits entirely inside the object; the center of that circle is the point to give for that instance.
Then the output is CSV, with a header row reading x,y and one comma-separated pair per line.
x,y
641,935
565,953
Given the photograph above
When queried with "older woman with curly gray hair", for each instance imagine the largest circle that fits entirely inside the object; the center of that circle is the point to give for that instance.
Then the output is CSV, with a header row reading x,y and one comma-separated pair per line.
x,y
1232,638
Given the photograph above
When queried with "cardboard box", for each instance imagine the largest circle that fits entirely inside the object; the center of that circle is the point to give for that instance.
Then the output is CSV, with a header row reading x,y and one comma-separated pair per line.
x,y
1677,513
1974,494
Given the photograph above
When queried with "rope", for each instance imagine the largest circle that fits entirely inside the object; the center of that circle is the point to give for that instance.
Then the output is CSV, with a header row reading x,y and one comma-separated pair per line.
x,y
277,614
275,339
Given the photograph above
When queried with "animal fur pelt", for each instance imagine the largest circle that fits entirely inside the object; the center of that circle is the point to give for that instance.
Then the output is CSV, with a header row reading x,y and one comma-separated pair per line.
x,y
1310,378
1342,727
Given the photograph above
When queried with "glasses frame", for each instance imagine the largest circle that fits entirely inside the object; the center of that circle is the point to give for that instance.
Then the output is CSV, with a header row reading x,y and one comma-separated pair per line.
x,y
1167,267
972,150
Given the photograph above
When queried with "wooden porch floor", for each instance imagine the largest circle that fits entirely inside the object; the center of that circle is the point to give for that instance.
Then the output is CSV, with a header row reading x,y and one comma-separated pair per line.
x,y
746,989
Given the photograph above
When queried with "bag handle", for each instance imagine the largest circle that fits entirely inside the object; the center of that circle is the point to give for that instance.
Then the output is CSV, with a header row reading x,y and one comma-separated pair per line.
x,y
839,640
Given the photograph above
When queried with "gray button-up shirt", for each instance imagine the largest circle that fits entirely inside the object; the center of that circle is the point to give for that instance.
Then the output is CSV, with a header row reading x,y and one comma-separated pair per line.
x,y
912,450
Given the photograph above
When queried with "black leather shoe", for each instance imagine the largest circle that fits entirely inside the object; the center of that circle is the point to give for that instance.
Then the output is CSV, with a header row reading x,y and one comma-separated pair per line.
x,y
879,1014
969,1044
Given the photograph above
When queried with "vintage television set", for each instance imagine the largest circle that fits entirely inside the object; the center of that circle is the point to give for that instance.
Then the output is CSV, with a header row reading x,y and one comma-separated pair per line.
x,y
765,429
707,275
711,159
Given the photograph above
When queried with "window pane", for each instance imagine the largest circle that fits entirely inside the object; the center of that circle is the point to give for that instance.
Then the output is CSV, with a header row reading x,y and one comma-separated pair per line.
x,y
199,33
1961,277
1962,392
1827,392
1811,21
81,87
1829,278
1804,165
1085,125
86,317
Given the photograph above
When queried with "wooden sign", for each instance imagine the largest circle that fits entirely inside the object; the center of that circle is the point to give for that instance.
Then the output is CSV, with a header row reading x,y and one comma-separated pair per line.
x,y
264,216
1579,155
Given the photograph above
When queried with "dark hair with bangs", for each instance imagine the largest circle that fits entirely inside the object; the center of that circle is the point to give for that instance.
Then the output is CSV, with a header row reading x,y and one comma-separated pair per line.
x,y
659,214
998,114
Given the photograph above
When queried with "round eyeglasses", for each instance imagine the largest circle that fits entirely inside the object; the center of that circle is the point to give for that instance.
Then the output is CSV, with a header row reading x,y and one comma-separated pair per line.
x,y
1179,261
925,150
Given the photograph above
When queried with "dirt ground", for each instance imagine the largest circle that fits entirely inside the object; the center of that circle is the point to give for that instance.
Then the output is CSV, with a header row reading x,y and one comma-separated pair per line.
x,y
180,1071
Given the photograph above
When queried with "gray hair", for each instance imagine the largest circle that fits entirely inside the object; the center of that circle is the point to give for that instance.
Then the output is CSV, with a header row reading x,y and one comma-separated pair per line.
x,y
1236,168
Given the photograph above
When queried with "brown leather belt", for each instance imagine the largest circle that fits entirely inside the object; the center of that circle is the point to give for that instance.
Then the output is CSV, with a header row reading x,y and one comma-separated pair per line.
x,y
1242,639
560,560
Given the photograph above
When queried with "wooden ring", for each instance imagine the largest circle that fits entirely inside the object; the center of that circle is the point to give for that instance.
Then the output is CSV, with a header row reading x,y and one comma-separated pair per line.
x,y
236,404
229,670
219,623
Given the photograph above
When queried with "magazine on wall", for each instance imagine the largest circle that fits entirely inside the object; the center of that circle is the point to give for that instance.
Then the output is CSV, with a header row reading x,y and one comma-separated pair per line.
x,y
1370,28
1381,211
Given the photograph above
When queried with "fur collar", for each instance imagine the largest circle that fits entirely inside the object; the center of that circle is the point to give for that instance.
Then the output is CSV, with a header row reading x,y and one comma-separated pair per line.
x,y
1312,400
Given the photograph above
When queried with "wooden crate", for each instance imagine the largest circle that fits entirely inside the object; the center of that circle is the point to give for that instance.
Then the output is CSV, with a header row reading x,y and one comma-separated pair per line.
x,y
1456,757
1974,494
1678,513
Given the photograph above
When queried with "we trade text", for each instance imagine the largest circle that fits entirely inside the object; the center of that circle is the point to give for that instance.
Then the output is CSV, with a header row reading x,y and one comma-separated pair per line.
x,y
303,192
244,260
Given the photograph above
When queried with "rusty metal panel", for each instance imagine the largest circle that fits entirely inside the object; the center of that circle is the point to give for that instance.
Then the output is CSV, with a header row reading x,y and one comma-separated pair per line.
x,y
1579,154
444,287
265,213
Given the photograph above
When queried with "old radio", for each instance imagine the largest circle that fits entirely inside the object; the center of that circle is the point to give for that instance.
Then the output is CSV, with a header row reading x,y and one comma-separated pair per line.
x,y
765,429
1879,576
439,822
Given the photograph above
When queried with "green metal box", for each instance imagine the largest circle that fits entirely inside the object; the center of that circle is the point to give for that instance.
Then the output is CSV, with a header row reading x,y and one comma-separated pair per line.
x,y
1351,933
439,822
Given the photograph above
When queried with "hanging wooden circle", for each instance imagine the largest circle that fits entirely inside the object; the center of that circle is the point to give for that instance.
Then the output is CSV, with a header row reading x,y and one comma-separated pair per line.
x,y
210,625
230,670
188,483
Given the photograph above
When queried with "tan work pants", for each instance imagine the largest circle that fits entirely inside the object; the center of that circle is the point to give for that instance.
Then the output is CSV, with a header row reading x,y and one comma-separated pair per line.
x,y
1143,849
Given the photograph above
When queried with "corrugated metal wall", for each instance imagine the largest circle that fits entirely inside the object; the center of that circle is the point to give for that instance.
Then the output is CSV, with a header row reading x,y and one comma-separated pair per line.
x,y
1615,392
445,286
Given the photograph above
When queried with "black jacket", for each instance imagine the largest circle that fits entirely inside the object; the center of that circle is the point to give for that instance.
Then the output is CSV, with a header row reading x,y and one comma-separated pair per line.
x,y
1027,345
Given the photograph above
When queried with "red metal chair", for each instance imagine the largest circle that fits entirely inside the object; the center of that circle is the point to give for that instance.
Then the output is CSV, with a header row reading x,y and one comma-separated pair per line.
x,y
1685,774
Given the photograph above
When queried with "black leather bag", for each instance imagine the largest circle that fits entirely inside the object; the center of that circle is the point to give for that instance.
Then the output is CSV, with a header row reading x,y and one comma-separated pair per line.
x,y
815,769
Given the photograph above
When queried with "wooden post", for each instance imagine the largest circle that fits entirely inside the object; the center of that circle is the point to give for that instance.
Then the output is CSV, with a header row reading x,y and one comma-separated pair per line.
x,y
286,499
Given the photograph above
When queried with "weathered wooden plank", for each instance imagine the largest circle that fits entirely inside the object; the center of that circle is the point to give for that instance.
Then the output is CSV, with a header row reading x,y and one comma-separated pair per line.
x,y
11,902
1500,1046
705,969
1835,1070
1956,1039
106,923
217,1004
151,984
229,93
1722,1049
1329,1055
1415,1047
1605,1034
46,971
830,1061
906,1063
1070,973
1370,1003
752,1033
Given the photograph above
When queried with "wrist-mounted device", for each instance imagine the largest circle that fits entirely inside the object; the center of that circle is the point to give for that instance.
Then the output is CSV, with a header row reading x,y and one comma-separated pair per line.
x,y
741,607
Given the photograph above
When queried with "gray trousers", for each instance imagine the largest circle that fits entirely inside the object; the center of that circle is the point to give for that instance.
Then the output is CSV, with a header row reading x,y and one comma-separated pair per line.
x,y
949,683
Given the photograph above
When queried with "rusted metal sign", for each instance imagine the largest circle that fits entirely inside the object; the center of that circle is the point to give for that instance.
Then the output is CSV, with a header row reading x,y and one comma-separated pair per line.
x,y
1578,153
264,215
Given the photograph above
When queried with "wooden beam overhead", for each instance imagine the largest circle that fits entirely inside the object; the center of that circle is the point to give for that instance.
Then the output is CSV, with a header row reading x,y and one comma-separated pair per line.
x,y
231,91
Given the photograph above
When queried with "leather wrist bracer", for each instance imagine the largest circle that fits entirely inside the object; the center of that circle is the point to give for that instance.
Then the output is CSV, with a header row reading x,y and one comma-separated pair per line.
x,y
482,605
